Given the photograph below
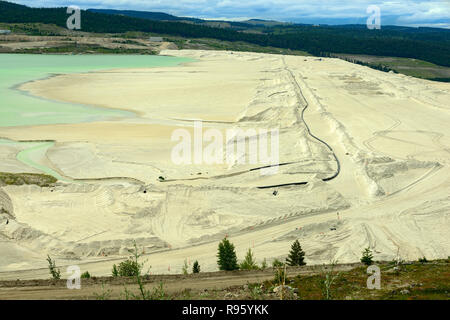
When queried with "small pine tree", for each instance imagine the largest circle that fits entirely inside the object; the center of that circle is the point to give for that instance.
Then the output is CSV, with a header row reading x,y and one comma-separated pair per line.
x,y
227,259
296,256
249,262
56,273
367,257
115,272
196,267
185,268
264,264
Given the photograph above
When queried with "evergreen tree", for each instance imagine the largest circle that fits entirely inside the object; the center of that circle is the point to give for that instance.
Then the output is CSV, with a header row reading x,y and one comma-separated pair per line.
x,y
227,259
115,272
55,272
196,267
296,255
367,257
185,267
249,262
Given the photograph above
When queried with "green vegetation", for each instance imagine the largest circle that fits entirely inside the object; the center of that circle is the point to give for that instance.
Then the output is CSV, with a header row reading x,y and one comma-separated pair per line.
x,y
85,48
85,275
196,267
35,29
264,264
423,260
296,256
127,41
367,257
280,273
330,277
132,267
277,263
128,268
227,259
185,268
410,67
249,262
427,44
104,295
213,44
19,179
115,272
54,271
416,282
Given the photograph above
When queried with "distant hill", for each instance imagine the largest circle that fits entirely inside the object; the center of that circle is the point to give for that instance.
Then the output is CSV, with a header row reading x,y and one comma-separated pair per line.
x,y
427,44
158,16
266,23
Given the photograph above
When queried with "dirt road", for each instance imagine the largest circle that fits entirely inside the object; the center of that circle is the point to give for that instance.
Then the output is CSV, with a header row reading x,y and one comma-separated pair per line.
x,y
90,288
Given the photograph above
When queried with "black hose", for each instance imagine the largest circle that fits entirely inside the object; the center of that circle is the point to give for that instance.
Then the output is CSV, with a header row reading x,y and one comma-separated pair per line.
x,y
312,135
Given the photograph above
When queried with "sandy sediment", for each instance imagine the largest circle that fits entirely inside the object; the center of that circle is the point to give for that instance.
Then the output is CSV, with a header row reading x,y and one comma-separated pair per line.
x,y
389,133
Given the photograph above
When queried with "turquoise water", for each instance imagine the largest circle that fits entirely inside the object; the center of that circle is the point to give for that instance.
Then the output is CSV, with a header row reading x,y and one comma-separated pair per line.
x,y
39,148
20,109
34,150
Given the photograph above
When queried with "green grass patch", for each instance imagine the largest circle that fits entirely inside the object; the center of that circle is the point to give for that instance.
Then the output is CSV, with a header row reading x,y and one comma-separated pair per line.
x,y
407,66
18,179
85,49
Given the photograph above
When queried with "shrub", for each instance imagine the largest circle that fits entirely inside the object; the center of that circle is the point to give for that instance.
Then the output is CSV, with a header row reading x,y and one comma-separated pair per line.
x,y
277,263
423,260
56,273
367,257
264,264
196,267
227,259
330,277
129,268
280,273
296,256
85,275
132,267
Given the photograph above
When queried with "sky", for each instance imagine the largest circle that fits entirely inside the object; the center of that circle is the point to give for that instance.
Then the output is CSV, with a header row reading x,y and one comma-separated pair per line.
x,y
435,13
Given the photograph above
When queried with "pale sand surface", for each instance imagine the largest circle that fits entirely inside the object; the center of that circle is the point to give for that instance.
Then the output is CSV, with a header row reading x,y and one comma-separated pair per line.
x,y
390,133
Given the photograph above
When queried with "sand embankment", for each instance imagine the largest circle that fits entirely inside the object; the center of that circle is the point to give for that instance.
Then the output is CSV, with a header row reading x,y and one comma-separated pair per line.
x,y
390,133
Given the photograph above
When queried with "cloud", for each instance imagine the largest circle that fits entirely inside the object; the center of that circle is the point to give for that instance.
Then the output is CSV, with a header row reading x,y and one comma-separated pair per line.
x,y
409,12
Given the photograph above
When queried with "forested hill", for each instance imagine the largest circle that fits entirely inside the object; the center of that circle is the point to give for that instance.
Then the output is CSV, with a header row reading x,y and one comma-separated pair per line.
x,y
427,44
159,16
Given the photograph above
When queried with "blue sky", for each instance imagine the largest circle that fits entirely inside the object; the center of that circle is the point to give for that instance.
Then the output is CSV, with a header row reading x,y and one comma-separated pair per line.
x,y
407,12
